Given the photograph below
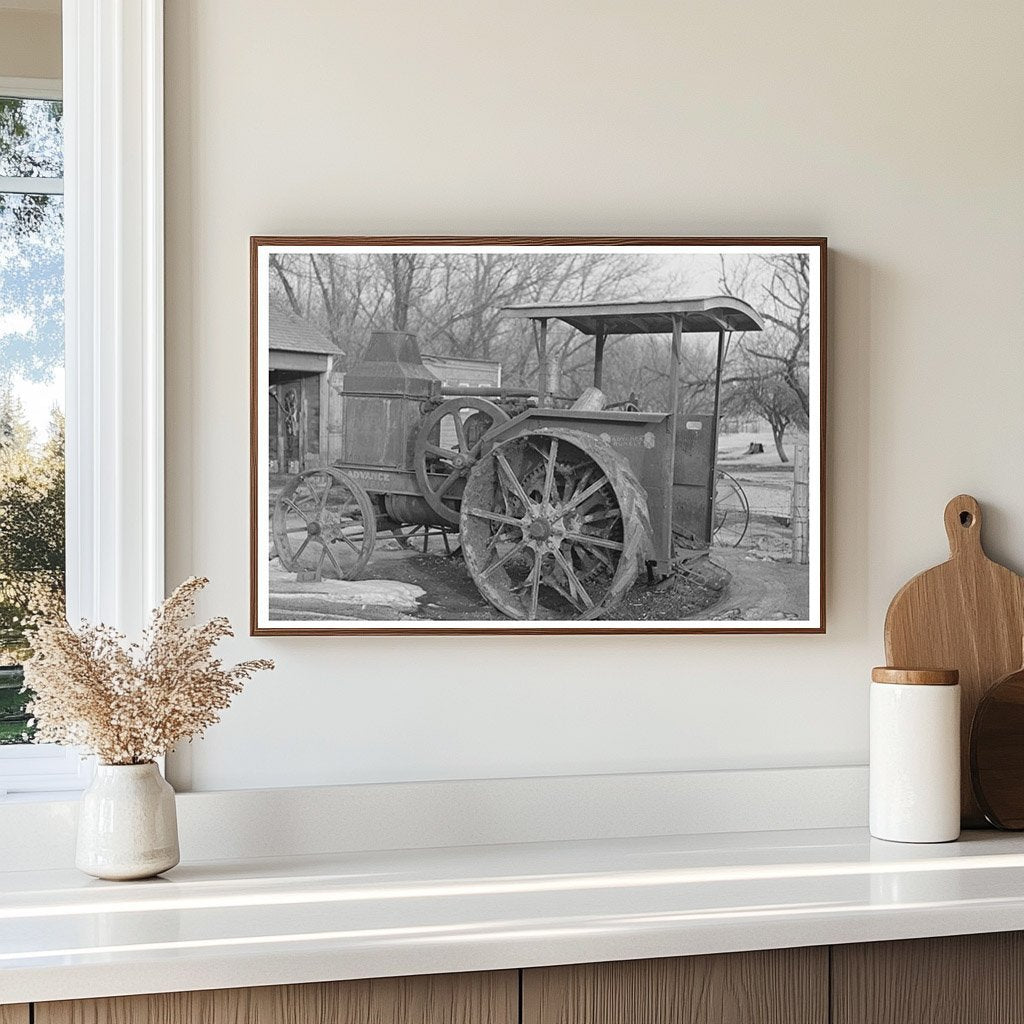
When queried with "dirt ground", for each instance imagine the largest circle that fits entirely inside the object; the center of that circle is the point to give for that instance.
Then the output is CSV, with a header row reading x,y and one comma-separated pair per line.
x,y
756,581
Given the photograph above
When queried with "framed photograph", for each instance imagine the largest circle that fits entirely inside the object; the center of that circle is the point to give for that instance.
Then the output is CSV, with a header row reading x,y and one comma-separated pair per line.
x,y
537,435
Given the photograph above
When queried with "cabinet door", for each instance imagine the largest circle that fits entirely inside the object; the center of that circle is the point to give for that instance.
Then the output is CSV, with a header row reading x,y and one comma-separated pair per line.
x,y
779,986
14,1014
962,979
490,998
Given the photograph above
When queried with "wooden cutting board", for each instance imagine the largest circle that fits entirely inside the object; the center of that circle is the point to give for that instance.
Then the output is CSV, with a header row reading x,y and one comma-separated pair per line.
x,y
967,614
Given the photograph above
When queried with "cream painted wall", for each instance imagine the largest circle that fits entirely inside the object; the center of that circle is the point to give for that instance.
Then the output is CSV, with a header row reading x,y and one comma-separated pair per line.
x,y
895,129
30,43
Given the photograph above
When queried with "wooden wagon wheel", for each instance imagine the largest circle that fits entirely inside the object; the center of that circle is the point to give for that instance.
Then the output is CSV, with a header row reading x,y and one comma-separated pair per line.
x,y
324,522
732,511
448,444
554,526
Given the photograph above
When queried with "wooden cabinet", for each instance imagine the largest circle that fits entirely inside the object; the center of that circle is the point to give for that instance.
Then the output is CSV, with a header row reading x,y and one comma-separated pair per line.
x,y
778,986
962,979
968,979
491,998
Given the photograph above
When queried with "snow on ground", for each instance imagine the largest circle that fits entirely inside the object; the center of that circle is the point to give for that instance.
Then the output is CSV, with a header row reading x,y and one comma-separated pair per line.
x,y
339,598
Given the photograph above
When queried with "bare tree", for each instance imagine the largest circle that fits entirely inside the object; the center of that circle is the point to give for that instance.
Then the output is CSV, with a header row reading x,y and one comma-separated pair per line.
x,y
284,277
765,373
769,398
786,309
402,272
453,302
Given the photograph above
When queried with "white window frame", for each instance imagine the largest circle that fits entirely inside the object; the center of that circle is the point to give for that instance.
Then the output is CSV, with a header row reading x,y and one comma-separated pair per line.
x,y
34,768
31,89
114,264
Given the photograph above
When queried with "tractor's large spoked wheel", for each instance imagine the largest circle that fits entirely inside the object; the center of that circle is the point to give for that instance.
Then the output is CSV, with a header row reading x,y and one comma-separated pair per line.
x,y
553,526
448,445
324,525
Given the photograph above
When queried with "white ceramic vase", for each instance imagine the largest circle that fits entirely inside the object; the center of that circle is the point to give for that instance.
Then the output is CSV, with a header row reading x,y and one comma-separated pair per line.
x,y
127,825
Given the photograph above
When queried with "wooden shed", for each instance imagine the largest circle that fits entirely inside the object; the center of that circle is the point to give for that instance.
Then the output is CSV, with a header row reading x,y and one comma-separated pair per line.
x,y
301,358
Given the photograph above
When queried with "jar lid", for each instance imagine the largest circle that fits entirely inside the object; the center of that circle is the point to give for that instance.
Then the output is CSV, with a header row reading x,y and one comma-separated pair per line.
x,y
916,676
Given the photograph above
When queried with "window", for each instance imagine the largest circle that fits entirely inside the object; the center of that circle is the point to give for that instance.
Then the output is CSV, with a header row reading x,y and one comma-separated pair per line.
x,y
112,212
32,531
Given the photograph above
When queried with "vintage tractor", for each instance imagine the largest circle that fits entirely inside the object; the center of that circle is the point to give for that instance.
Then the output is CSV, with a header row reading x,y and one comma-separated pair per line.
x,y
559,501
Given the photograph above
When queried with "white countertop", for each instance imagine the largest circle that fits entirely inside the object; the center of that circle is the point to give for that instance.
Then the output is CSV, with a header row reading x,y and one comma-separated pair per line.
x,y
298,919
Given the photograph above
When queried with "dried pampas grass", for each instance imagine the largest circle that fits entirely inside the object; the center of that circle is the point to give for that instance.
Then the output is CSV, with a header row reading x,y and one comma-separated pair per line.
x,y
130,703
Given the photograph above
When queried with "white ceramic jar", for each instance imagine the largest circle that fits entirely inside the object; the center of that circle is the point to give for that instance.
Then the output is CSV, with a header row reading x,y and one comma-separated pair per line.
x,y
127,823
915,755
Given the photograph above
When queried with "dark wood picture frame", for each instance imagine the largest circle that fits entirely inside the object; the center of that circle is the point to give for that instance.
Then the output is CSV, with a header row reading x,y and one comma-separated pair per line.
x,y
258,520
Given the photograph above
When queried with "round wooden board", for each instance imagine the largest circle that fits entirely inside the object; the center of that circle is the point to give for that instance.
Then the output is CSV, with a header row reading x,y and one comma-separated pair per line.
x,y
997,753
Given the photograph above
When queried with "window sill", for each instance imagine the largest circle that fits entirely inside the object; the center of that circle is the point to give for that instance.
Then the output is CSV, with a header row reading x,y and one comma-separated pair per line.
x,y
41,797
42,771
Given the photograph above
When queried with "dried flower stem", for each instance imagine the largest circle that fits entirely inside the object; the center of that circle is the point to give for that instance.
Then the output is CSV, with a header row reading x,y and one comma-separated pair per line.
x,y
130,703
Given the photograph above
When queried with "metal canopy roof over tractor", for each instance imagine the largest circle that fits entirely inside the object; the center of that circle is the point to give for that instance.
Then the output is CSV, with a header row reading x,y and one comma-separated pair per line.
x,y
708,314
711,314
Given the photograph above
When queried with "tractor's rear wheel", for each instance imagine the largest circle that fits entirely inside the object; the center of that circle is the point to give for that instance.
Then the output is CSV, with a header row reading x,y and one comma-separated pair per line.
x,y
554,525
324,525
